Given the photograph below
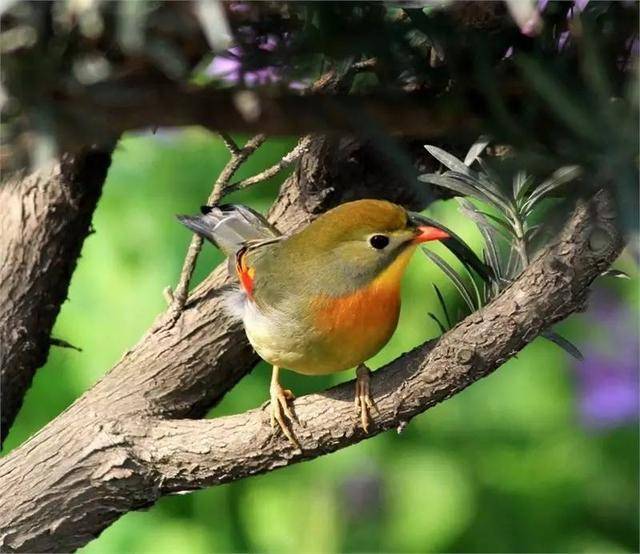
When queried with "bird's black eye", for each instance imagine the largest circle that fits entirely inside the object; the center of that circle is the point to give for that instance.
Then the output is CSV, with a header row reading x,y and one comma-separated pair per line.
x,y
379,241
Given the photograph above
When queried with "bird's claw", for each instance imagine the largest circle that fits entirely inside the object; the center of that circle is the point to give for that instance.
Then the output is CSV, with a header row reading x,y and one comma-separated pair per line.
x,y
363,402
280,410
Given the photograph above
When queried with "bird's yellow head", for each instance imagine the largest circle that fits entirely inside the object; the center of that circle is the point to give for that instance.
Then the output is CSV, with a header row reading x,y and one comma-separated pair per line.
x,y
355,243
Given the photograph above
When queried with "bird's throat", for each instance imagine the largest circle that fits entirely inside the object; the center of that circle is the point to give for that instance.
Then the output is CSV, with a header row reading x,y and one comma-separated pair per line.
x,y
364,320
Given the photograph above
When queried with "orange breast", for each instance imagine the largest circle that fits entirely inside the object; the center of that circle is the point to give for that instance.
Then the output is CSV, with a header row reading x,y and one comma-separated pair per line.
x,y
355,327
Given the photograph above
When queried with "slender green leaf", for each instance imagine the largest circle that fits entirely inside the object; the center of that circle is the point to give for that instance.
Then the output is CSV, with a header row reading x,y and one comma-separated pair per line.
x,y
488,232
486,190
487,289
444,305
521,185
507,230
453,276
532,232
560,177
491,181
490,190
615,273
479,217
438,323
456,185
513,264
448,160
475,150
563,343
475,287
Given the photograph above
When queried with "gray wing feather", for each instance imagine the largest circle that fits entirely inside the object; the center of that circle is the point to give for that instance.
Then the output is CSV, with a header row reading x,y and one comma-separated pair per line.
x,y
230,227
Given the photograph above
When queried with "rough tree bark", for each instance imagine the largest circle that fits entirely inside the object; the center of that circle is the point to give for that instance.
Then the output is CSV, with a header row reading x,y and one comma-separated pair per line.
x,y
45,218
95,114
118,448
180,369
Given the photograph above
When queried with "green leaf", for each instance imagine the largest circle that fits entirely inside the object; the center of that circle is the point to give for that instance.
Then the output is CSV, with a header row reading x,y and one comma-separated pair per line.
x,y
559,177
453,276
444,305
475,150
615,273
448,160
475,286
513,264
484,189
563,343
456,185
521,184
505,229
492,193
532,231
438,323
487,231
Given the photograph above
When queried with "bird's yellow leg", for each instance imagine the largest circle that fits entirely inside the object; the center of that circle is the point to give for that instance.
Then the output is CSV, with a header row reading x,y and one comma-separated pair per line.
x,y
280,406
363,401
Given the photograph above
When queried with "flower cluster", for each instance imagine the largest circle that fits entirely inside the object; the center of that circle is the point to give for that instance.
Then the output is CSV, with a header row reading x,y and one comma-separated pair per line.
x,y
607,380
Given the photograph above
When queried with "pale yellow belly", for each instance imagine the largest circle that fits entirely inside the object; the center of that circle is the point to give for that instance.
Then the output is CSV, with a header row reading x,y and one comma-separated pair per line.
x,y
331,333
341,333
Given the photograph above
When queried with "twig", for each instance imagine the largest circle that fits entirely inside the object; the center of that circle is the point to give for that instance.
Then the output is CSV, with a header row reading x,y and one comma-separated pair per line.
x,y
285,162
238,157
229,143
63,344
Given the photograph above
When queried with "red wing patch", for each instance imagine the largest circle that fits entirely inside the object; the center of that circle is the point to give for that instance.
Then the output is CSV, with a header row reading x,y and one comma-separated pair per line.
x,y
245,273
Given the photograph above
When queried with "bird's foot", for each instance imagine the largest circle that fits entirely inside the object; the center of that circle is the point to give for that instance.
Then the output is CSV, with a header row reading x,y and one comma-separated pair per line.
x,y
363,401
280,410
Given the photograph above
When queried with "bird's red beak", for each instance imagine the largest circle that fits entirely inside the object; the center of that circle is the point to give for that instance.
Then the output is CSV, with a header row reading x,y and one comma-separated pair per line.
x,y
427,233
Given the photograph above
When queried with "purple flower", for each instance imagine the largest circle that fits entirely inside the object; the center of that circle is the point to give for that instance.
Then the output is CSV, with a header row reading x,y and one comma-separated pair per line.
x,y
232,65
228,67
608,378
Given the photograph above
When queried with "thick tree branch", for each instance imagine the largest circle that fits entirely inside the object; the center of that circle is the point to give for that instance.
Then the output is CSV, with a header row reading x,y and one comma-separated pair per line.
x,y
191,454
109,109
125,463
44,219
177,370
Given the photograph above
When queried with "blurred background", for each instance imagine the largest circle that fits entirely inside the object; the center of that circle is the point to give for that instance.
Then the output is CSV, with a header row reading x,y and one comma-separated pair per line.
x,y
541,456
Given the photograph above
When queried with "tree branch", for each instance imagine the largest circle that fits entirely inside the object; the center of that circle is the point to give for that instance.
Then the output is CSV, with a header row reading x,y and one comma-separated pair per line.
x,y
177,370
123,463
111,108
185,455
220,187
45,219
286,161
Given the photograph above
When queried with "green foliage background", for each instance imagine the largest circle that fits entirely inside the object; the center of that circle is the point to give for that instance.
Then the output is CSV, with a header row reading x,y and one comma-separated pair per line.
x,y
504,466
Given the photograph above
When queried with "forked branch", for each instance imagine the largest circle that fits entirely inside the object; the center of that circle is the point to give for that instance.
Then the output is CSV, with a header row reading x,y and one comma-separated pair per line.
x,y
116,449
220,188
190,454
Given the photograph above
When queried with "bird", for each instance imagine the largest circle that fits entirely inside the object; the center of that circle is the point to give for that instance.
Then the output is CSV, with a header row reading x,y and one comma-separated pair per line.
x,y
324,299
